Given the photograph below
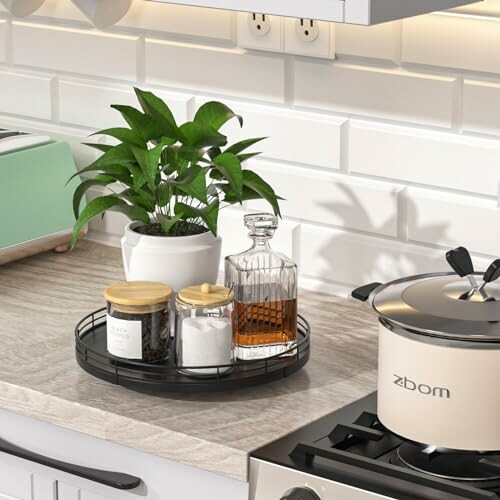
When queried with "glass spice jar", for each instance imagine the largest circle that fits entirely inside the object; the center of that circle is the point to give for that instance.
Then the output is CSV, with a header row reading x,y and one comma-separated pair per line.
x,y
265,294
203,330
138,320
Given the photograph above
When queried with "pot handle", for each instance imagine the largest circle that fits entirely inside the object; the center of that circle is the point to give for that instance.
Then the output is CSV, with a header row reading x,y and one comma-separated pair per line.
x,y
363,292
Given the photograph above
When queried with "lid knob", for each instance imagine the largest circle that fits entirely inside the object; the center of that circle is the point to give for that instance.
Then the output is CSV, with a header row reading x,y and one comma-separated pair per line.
x,y
206,288
460,260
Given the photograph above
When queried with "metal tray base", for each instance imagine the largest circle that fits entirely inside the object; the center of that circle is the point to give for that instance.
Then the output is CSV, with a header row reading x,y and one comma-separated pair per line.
x,y
92,356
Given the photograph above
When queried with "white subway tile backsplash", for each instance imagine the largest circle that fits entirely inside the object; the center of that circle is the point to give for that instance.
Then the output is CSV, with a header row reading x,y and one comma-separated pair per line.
x,y
439,159
4,31
97,113
234,72
481,106
294,136
453,220
75,50
452,41
367,198
326,198
338,256
386,93
24,94
179,19
381,41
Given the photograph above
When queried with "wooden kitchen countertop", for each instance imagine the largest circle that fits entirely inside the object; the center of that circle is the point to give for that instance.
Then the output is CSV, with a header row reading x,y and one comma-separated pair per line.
x,y
43,297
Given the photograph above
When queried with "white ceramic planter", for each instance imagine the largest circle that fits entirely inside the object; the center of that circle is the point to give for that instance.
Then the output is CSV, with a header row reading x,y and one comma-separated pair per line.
x,y
103,13
22,8
178,261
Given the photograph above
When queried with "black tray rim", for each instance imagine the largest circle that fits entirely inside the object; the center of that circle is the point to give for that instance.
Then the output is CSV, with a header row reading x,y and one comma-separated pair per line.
x,y
125,372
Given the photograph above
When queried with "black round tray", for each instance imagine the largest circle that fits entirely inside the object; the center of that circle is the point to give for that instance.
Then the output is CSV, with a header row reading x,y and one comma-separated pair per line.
x,y
93,357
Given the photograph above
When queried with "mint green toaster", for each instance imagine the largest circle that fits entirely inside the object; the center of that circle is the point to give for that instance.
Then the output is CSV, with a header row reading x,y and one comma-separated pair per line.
x,y
36,211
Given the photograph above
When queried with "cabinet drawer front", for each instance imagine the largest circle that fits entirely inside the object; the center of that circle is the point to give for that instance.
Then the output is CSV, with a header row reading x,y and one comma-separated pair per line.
x,y
162,479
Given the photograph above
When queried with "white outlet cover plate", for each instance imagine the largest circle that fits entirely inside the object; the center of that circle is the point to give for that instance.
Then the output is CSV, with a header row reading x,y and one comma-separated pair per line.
x,y
271,41
323,46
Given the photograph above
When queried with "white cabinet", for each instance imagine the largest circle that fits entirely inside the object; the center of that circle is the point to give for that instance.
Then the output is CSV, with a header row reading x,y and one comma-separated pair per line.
x,y
162,479
342,11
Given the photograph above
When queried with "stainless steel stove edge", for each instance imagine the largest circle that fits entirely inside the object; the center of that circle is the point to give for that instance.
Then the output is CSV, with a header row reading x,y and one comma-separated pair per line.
x,y
269,481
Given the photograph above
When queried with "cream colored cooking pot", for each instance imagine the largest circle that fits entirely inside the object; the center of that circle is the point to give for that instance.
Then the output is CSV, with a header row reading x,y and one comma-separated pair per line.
x,y
439,360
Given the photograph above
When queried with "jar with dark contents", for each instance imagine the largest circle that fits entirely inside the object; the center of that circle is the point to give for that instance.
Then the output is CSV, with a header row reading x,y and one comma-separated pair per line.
x,y
138,320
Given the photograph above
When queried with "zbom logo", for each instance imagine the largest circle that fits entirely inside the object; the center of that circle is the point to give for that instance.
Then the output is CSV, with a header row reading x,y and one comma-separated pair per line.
x,y
427,390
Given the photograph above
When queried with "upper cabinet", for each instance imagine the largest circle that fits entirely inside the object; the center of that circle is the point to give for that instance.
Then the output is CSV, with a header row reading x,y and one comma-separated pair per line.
x,y
342,11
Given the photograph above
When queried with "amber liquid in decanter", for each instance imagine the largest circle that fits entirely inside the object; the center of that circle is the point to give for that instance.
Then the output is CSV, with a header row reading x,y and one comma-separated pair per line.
x,y
265,323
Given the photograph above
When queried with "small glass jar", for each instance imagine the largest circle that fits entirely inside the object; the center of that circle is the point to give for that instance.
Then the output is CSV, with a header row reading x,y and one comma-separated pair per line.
x,y
203,330
138,320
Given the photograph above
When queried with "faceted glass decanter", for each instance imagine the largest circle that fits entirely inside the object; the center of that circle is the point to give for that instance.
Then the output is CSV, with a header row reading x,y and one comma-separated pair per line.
x,y
265,292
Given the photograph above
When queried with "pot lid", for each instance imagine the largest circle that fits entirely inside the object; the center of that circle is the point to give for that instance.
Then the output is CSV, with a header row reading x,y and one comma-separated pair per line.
x,y
205,295
138,293
433,304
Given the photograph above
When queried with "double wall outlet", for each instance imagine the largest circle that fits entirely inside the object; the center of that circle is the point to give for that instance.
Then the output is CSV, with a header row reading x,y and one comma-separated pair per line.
x,y
306,37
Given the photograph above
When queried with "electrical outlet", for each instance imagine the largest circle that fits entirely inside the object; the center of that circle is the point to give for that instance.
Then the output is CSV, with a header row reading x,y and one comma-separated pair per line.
x,y
260,31
307,29
259,24
308,37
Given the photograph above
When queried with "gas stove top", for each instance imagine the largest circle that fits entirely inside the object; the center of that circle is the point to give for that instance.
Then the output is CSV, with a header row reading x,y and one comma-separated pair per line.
x,y
349,455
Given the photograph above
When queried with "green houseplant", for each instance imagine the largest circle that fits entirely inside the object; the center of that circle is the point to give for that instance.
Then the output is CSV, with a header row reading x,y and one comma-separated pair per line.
x,y
171,180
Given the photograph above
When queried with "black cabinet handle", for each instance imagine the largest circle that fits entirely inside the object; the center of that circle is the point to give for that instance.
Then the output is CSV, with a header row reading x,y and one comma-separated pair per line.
x,y
114,479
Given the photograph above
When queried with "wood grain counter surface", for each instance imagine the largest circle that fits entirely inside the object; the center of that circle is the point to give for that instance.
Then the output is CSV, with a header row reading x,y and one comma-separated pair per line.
x,y
43,297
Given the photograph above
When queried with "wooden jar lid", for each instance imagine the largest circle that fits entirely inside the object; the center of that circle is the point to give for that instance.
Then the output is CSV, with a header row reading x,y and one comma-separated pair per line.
x,y
205,295
138,293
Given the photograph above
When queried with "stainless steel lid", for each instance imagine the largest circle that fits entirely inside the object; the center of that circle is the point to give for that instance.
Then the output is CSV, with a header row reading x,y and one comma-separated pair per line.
x,y
431,304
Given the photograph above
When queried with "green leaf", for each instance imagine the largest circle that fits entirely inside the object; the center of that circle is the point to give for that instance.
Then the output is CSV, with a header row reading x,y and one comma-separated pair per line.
x,y
229,166
256,183
102,204
213,152
242,145
164,194
149,161
119,172
215,114
158,109
133,212
120,155
138,177
145,126
140,197
193,182
100,180
124,135
209,214
167,223
246,156
100,147
200,135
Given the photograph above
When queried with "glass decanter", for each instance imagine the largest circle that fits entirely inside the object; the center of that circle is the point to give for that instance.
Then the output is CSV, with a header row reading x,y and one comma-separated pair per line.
x,y
265,293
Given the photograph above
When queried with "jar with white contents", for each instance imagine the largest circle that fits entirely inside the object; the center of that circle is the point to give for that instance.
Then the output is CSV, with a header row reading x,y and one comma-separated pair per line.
x,y
203,330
